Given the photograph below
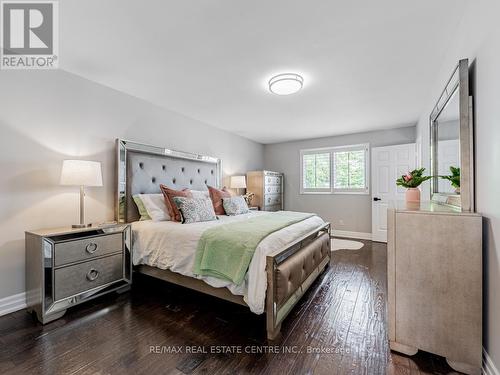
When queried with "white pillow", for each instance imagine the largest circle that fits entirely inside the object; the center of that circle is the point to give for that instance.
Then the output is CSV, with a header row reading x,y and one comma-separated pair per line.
x,y
155,205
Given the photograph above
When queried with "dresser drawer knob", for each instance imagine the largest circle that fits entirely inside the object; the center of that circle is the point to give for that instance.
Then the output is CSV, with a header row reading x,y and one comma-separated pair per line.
x,y
91,248
92,275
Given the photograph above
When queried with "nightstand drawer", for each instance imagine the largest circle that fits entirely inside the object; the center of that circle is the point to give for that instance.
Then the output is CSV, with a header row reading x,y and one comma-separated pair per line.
x,y
88,248
78,278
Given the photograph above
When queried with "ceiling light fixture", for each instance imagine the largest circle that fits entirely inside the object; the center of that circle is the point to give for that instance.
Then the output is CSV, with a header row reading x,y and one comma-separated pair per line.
x,y
286,83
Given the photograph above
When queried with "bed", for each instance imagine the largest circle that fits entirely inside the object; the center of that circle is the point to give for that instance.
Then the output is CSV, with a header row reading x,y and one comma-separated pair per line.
x,y
284,264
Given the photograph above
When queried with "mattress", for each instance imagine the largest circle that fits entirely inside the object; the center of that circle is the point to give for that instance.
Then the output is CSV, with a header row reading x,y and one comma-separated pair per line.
x,y
172,245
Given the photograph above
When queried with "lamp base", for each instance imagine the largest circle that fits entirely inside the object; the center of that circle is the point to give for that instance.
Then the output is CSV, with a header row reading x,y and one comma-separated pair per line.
x,y
81,225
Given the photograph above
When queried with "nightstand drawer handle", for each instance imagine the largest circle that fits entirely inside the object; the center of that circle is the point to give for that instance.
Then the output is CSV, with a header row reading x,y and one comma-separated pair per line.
x,y
93,274
91,248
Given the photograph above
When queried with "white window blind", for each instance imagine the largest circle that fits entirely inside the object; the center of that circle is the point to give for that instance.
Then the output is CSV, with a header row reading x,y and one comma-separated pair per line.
x,y
335,170
316,169
349,170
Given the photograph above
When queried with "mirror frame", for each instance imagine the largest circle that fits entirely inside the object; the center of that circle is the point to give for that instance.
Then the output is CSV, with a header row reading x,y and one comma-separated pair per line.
x,y
459,80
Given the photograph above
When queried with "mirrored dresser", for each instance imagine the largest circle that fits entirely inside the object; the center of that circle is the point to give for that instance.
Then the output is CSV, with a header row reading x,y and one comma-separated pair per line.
x,y
268,189
434,248
67,266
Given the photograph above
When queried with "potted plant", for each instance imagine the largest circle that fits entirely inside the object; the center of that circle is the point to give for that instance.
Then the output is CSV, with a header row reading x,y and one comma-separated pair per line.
x,y
411,181
454,178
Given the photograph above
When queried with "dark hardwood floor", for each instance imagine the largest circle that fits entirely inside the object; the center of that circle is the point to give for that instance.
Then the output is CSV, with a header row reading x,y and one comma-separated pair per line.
x,y
339,327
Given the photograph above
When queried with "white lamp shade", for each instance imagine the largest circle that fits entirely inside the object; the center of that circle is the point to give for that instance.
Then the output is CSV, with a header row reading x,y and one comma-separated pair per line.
x,y
238,182
81,173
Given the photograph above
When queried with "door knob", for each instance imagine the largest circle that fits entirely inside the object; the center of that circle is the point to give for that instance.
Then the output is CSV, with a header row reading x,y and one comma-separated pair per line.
x,y
377,199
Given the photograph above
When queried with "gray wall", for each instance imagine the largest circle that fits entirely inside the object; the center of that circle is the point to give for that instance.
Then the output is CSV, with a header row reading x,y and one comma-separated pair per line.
x,y
48,116
478,38
346,212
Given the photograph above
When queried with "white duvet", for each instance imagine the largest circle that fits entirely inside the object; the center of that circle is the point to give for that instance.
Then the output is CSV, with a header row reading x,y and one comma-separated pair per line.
x,y
171,245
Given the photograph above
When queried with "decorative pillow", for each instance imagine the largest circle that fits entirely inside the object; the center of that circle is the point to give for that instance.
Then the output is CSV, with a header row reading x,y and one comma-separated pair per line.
x,y
155,207
217,195
169,194
235,206
143,213
194,210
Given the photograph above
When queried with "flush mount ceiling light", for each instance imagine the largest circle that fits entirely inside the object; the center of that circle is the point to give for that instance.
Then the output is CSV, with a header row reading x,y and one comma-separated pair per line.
x,y
286,83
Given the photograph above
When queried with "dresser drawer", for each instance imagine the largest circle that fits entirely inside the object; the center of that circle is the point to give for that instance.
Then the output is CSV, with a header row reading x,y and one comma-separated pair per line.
x,y
272,180
84,276
272,189
276,207
88,248
272,199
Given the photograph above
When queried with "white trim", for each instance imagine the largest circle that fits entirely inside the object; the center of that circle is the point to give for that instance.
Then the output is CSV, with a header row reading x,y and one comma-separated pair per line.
x,y
12,303
350,234
489,367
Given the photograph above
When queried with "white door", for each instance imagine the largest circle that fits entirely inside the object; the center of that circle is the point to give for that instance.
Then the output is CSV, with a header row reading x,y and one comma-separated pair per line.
x,y
448,156
388,164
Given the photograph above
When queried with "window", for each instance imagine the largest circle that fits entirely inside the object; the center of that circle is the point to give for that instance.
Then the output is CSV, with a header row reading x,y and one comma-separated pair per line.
x,y
335,170
316,171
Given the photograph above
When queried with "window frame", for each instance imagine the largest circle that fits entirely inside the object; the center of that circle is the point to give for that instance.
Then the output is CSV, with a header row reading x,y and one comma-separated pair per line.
x,y
332,150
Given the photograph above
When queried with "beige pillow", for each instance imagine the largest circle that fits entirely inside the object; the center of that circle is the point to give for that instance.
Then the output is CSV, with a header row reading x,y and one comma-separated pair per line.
x,y
154,205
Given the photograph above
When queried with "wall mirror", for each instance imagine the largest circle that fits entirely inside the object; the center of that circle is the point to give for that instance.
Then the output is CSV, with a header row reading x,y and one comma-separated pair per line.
x,y
451,142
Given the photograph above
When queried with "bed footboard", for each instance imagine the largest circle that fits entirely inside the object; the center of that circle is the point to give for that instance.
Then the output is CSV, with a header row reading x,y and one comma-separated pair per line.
x,y
290,272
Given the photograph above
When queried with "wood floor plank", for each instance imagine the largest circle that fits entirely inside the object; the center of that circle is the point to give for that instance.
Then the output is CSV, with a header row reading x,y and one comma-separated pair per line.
x,y
344,312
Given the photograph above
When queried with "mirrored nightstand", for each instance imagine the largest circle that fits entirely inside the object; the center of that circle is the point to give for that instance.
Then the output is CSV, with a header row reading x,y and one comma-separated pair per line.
x,y
68,266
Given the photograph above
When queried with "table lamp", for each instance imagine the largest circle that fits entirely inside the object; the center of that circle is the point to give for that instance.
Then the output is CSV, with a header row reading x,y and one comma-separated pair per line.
x,y
81,173
238,182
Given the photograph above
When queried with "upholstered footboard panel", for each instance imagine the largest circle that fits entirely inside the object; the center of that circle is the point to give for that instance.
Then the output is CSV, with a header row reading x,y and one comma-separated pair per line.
x,y
293,272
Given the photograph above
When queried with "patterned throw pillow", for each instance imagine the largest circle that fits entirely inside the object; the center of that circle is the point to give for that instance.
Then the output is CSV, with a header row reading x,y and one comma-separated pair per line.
x,y
194,210
235,206
217,195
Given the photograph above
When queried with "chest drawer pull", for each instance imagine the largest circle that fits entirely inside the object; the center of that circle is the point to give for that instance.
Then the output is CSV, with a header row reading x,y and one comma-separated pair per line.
x,y
93,274
91,248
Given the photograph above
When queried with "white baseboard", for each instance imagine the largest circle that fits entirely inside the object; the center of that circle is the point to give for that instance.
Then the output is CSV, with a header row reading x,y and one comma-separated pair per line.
x,y
12,303
489,367
349,234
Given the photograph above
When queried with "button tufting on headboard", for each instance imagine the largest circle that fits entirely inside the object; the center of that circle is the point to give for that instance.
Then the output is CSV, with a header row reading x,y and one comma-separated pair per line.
x,y
145,172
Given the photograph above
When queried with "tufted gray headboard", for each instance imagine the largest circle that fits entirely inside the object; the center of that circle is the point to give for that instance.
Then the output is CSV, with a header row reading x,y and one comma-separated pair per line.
x,y
142,168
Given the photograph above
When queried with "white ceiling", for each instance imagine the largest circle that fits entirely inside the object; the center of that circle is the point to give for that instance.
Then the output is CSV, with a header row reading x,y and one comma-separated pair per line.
x,y
366,64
